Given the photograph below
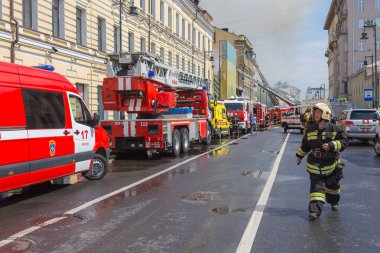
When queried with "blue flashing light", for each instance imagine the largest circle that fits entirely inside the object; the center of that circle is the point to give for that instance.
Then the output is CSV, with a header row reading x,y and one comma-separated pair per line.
x,y
240,99
45,67
204,87
151,73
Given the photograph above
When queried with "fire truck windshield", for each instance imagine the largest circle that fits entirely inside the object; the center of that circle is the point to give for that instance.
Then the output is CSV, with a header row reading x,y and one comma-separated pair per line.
x,y
234,106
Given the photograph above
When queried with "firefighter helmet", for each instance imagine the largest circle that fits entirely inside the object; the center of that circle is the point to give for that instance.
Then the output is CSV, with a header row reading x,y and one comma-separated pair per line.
x,y
326,112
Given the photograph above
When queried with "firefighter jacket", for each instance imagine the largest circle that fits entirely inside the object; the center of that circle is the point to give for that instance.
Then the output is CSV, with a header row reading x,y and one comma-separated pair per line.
x,y
319,161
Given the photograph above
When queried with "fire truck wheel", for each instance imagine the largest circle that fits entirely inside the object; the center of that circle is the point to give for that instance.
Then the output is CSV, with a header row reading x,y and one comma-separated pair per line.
x,y
184,140
207,140
176,142
98,169
285,128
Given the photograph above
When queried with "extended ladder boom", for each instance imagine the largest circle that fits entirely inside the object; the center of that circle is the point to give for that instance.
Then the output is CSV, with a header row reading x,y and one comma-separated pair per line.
x,y
147,65
274,95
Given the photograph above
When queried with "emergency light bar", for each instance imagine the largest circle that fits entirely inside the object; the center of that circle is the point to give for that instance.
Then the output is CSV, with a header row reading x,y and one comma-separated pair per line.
x,y
45,67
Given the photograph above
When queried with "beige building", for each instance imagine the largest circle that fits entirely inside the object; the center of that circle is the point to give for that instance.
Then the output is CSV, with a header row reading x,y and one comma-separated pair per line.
x,y
245,70
75,37
359,81
346,51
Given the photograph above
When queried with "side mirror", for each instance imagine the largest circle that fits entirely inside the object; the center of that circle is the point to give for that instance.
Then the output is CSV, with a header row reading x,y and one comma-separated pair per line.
x,y
95,120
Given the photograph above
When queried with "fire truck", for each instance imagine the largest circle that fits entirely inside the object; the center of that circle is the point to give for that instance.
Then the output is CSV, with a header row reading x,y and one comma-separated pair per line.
x,y
261,111
240,109
167,108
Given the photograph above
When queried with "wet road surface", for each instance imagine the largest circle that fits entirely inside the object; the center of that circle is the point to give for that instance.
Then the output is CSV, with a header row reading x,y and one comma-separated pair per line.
x,y
203,205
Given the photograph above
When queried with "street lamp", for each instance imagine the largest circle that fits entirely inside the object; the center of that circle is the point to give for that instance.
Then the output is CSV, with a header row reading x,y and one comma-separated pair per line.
x,y
372,24
133,12
373,73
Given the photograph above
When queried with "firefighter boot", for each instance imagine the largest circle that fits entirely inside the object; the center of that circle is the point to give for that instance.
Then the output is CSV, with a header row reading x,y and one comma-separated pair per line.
x,y
335,207
313,216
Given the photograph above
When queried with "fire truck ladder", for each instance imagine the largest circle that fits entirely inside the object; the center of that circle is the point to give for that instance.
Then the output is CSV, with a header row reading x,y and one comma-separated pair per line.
x,y
274,95
149,65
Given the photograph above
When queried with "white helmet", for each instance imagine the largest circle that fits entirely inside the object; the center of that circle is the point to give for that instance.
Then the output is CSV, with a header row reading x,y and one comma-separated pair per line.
x,y
326,112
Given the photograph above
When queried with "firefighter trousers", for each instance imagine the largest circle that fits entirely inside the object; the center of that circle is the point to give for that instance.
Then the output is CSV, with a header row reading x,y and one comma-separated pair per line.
x,y
324,189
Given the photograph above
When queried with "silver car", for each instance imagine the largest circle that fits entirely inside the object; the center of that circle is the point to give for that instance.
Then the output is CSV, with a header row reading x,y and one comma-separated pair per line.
x,y
358,124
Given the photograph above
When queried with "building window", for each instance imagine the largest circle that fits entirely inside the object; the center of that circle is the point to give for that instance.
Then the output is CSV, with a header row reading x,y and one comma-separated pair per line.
x,y
361,46
188,66
199,70
378,5
143,45
177,23
361,64
345,46
189,32
361,23
194,37
29,14
153,48
153,8
203,42
361,5
170,58
183,64
162,54
116,39
84,91
101,35
131,42
193,69
142,5
177,61
58,18
183,28
81,27
377,44
162,12
170,18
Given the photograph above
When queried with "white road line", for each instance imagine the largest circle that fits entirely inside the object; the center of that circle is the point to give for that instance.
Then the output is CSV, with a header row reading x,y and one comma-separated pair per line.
x,y
97,200
250,232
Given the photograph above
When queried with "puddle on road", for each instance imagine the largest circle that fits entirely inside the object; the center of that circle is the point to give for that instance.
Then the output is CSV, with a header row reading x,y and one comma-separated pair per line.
x,y
253,174
19,245
220,152
201,197
227,210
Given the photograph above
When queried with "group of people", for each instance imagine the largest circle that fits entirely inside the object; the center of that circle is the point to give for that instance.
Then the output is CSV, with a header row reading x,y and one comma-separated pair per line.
x,y
322,143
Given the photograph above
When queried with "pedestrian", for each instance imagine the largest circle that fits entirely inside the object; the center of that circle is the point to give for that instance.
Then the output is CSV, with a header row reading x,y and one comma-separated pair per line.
x,y
323,141
250,122
254,122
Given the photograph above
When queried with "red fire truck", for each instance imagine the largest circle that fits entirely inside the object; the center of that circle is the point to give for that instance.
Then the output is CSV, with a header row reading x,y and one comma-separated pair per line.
x,y
46,130
239,108
167,108
261,111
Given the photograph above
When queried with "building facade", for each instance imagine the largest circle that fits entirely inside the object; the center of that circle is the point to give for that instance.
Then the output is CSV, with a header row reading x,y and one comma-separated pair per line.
x,y
346,50
245,70
75,37
315,93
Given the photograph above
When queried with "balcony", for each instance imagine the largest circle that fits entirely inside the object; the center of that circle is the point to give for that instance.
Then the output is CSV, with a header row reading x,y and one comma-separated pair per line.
x,y
344,13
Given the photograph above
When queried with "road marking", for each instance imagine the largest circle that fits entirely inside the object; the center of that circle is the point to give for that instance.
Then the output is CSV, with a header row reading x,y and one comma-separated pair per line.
x,y
92,202
250,232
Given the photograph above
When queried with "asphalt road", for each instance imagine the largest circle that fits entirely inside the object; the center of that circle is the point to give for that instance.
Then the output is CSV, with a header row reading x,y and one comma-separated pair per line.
x,y
203,205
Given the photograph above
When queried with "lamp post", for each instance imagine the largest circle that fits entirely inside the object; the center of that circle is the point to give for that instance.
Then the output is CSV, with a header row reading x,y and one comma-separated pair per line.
x,y
372,24
373,73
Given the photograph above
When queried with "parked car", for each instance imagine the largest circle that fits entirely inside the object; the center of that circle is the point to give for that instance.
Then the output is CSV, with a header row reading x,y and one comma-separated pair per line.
x,y
358,124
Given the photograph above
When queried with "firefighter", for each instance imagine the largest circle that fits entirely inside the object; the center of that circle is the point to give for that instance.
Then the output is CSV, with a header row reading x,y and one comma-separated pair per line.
x,y
267,121
306,118
324,141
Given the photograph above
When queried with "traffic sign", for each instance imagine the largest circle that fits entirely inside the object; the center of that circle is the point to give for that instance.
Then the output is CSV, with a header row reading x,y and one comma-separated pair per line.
x,y
335,99
368,95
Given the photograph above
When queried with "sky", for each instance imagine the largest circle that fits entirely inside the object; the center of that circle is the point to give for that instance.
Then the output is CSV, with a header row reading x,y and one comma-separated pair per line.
x,y
287,36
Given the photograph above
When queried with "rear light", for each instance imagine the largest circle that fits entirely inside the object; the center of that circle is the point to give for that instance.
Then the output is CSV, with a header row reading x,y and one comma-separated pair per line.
x,y
349,123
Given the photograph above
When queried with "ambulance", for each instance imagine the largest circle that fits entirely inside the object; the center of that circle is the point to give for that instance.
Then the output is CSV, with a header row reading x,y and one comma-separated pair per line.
x,y
46,130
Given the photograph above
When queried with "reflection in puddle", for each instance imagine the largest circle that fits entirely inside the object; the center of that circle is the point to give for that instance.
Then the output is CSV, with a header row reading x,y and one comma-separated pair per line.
x,y
227,210
220,152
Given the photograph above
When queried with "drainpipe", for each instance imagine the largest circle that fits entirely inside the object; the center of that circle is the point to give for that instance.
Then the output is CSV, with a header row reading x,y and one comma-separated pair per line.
x,y
192,44
15,40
